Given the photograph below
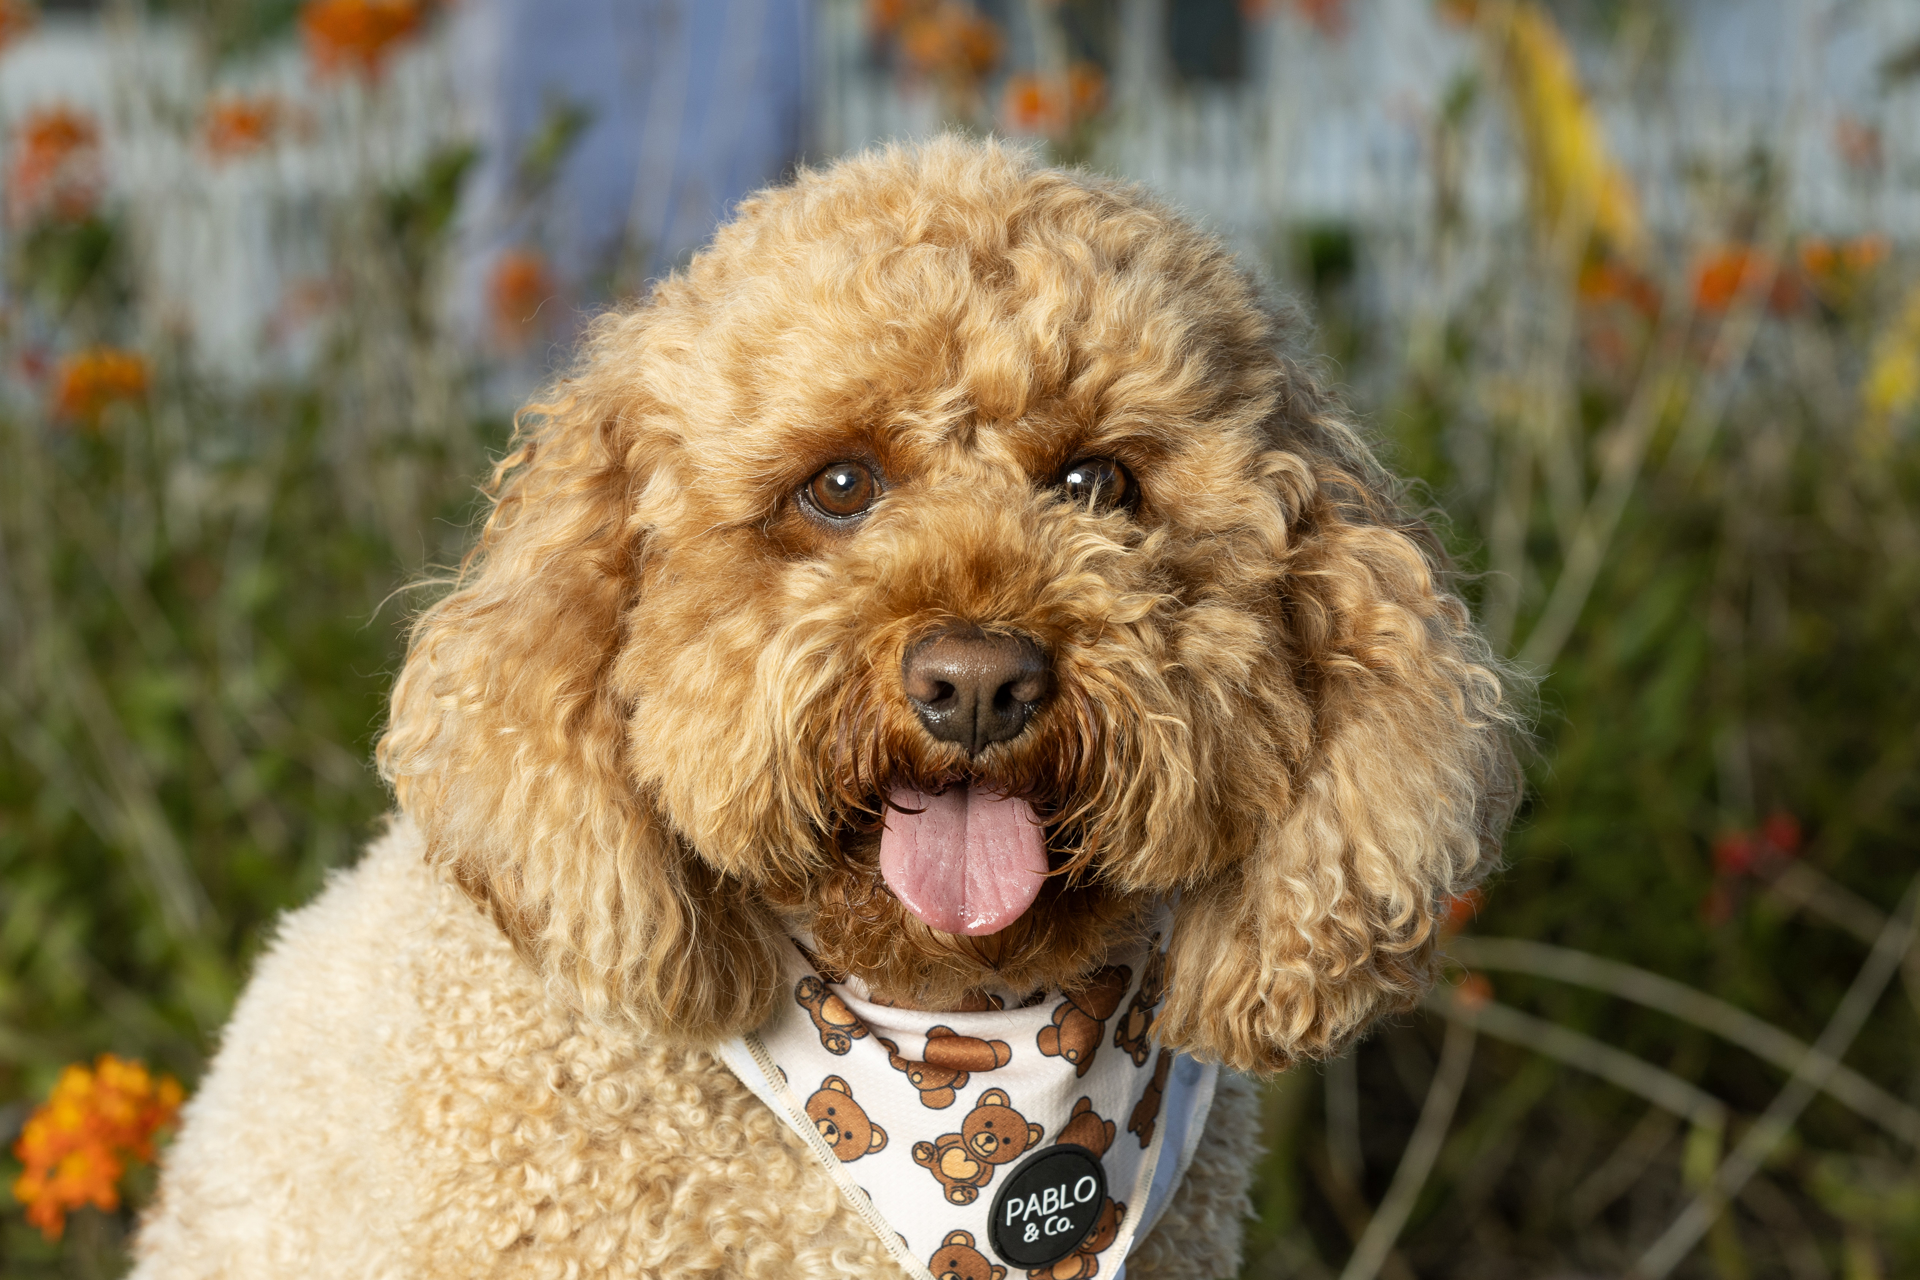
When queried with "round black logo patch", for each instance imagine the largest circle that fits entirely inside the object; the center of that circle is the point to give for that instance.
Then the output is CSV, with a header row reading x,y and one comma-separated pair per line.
x,y
1048,1206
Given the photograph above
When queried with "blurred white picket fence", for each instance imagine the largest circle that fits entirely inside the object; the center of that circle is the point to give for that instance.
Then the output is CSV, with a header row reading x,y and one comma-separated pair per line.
x,y
1321,130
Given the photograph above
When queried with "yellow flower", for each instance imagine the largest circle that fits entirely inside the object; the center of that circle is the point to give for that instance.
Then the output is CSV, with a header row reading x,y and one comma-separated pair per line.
x,y
1891,388
1571,171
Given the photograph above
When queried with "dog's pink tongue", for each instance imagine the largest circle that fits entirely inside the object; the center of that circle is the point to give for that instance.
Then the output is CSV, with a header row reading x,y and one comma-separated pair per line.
x,y
969,862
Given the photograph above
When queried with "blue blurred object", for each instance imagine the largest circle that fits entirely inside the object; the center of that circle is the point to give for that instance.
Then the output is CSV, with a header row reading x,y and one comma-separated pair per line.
x,y
678,109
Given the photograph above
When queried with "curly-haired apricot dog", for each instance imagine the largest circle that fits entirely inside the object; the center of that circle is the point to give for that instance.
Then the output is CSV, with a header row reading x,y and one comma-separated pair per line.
x,y
941,478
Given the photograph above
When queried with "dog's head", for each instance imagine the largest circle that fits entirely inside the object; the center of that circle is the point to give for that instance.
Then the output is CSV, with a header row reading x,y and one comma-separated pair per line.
x,y
952,563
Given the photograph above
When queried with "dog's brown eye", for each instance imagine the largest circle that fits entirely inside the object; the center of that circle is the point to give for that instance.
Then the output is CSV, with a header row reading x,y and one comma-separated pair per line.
x,y
1100,483
843,490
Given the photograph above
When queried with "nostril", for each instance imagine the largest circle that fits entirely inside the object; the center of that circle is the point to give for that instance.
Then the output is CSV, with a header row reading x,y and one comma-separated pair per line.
x,y
1027,687
973,688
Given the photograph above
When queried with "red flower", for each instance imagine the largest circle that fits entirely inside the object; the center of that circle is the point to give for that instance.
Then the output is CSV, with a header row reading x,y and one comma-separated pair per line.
x,y
1781,833
1733,853
1739,853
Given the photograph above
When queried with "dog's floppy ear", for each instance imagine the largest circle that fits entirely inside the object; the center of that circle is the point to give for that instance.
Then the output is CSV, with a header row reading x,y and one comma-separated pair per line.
x,y
1399,798
507,745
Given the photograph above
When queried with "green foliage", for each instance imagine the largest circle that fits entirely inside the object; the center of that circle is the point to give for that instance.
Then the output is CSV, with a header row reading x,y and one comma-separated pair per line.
x,y
1745,652
199,620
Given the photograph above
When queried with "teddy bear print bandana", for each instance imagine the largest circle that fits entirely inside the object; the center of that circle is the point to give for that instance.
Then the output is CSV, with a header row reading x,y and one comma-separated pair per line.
x,y
1043,1139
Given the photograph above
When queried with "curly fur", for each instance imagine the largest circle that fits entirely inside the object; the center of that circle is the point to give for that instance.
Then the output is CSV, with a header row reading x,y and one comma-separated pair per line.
x,y
653,726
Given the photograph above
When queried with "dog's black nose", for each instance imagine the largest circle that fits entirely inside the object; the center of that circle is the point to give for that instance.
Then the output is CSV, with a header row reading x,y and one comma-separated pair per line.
x,y
973,688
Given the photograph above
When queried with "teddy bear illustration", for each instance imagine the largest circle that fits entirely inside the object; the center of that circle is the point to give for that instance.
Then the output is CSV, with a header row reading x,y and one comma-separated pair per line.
x,y
1085,1128
837,1025
1081,1019
993,1133
1146,1112
843,1122
937,1085
1084,1262
950,1060
957,1259
1137,1023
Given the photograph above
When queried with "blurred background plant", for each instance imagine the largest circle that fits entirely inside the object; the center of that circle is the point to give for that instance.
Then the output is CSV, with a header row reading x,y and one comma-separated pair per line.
x,y
1629,286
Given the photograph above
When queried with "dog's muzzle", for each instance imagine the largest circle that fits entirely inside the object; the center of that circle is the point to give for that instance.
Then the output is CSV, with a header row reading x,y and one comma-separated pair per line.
x,y
966,859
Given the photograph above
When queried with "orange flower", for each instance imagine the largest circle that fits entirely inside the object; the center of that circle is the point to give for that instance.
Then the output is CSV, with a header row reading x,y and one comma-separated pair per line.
x,y
356,35
1328,17
1858,144
76,1145
1086,90
56,164
86,382
949,40
1723,273
884,15
16,19
1474,992
1835,269
1460,909
236,126
520,284
1610,280
1819,258
1034,104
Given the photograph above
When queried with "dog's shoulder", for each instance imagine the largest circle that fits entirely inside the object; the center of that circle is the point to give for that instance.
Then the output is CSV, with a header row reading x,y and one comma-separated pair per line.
x,y
400,1093
301,1097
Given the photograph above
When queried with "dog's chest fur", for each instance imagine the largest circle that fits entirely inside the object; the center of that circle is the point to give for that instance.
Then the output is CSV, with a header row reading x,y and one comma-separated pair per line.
x,y
436,1114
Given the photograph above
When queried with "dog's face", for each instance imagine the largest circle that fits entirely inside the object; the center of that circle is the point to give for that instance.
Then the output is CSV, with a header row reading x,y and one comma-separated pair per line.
x,y
906,585
949,565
